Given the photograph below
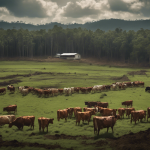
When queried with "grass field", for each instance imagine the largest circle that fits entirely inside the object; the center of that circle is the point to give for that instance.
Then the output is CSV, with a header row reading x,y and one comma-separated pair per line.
x,y
68,74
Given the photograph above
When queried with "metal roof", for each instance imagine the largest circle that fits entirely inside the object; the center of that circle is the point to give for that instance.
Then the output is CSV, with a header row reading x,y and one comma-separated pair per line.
x,y
68,54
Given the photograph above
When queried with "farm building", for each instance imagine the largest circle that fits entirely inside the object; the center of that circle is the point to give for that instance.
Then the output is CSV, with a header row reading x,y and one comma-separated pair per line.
x,y
70,56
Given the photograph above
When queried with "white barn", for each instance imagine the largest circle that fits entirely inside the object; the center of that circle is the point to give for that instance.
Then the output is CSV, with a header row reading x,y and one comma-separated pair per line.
x,y
70,56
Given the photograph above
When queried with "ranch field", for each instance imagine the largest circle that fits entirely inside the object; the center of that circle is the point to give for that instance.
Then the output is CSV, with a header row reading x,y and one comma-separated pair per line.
x,y
67,135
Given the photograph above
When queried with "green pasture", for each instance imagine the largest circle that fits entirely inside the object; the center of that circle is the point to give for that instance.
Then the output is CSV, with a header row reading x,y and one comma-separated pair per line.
x,y
68,74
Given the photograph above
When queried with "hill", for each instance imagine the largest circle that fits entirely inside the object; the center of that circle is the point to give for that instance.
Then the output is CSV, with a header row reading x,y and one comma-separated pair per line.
x,y
104,25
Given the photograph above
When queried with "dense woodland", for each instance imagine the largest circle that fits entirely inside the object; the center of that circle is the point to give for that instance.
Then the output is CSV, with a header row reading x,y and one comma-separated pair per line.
x,y
127,46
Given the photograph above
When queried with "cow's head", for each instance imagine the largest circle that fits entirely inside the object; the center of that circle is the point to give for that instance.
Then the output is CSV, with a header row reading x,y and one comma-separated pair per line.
x,y
5,108
51,120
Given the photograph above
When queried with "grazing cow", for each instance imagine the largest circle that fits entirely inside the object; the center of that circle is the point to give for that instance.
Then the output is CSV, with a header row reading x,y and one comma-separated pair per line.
x,y
108,112
2,90
104,122
44,122
11,88
72,90
67,91
147,88
127,103
10,108
89,109
24,91
77,89
20,122
83,90
94,89
20,88
6,119
89,89
40,92
121,112
107,87
70,111
46,92
32,118
83,116
61,114
148,113
102,104
113,86
76,109
90,104
128,111
60,91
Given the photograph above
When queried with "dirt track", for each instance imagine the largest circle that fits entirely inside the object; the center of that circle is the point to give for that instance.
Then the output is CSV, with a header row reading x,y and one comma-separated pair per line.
x,y
132,141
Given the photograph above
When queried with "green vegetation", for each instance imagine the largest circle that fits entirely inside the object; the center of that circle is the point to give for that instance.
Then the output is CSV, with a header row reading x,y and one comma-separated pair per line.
x,y
126,46
72,74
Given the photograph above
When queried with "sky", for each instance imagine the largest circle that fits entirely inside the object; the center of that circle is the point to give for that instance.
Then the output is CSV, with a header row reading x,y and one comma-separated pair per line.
x,y
74,11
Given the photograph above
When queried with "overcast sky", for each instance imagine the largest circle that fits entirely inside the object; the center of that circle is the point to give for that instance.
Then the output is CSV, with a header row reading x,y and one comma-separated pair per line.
x,y
74,11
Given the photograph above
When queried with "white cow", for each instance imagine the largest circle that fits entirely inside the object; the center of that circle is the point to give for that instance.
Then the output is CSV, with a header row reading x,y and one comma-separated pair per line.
x,y
6,119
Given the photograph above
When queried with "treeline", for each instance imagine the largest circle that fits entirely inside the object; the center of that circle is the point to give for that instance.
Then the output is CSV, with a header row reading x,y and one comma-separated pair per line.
x,y
113,45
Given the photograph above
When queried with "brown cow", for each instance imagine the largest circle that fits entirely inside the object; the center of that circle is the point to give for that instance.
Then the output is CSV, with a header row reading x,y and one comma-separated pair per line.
x,y
61,91
108,112
148,113
10,108
127,103
77,89
44,122
102,104
76,109
105,122
83,116
134,116
121,112
142,114
32,118
61,114
128,111
89,109
70,111
21,121
2,90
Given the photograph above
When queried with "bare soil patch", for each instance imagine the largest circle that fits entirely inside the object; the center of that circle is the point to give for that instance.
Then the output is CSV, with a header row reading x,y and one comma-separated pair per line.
x,y
141,72
132,141
64,136
123,78
15,143
9,82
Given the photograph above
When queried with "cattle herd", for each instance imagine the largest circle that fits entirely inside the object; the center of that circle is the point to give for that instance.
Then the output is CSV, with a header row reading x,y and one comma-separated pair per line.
x,y
107,119
69,91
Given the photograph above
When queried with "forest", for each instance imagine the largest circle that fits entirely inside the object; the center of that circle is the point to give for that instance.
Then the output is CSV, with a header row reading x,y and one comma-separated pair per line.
x,y
121,45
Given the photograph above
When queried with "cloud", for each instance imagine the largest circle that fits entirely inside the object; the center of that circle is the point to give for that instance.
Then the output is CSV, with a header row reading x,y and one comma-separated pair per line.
x,y
118,5
83,8
24,8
